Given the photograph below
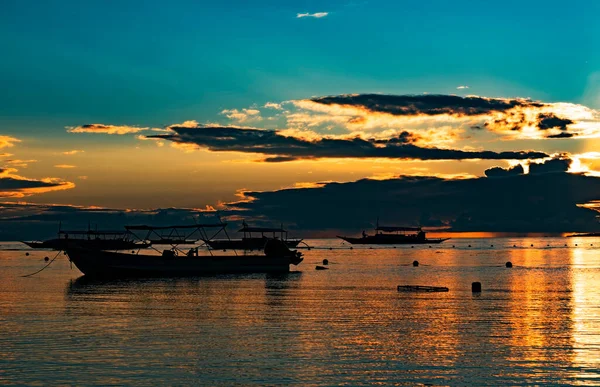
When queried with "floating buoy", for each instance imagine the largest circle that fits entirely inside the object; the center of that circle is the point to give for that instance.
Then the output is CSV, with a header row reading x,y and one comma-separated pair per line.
x,y
469,245
46,259
325,262
565,245
331,248
532,245
429,246
132,251
476,287
351,248
514,245
394,246
412,247
27,254
321,268
547,245
491,245
452,246
575,244
415,263
509,264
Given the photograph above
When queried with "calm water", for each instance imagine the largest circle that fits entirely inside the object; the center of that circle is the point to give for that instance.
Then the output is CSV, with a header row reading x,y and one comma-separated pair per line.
x,y
535,324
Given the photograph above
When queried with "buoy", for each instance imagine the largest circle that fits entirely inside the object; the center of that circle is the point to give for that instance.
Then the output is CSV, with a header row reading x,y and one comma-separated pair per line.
x,y
415,263
476,287
27,254
331,248
565,245
325,262
452,246
469,245
351,248
532,245
321,268
46,259
575,244
412,247
491,245
509,264
547,245
394,246
429,246
132,251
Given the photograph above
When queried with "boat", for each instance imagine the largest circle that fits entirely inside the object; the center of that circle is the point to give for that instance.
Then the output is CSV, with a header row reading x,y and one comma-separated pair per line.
x,y
394,235
589,234
253,242
91,239
276,258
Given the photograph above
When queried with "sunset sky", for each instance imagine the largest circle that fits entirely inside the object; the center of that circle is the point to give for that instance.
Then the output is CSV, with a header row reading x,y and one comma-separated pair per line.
x,y
189,104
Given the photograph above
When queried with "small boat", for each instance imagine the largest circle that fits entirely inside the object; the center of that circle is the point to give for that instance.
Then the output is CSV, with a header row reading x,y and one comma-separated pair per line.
x,y
394,235
250,242
589,234
90,239
276,258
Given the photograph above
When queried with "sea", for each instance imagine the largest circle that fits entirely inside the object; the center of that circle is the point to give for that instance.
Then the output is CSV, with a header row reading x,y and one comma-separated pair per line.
x,y
535,324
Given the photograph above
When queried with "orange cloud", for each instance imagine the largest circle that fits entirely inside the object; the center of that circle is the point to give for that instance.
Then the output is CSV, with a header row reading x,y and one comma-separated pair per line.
x,y
65,166
14,186
8,141
106,129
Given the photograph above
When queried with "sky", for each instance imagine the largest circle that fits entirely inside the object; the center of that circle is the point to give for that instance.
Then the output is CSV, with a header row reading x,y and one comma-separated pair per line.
x,y
146,105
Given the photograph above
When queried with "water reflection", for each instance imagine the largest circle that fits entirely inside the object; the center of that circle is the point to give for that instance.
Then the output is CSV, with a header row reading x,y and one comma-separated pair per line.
x,y
537,323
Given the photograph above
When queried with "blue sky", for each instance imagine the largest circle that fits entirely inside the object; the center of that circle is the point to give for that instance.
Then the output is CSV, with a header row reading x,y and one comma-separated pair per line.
x,y
153,63
68,64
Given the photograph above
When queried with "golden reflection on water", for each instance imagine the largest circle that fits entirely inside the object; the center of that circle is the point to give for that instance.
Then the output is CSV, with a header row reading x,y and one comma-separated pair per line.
x,y
537,323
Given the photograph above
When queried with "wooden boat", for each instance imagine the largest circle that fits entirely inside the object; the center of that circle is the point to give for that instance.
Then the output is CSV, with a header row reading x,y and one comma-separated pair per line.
x,y
251,242
90,239
276,258
394,235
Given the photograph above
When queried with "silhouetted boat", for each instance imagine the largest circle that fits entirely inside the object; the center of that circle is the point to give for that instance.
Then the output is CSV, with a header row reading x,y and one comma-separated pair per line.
x,y
276,258
249,242
89,239
393,236
589,234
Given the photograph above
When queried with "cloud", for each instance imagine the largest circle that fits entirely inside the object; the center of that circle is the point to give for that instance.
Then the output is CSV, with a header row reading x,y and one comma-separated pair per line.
x,y
8,141
512,118
22,221
316,15
462,87
73,152
19,163
65,166
539,202
5,154
273,105
502,172
287,148
243,115
106,129
14,186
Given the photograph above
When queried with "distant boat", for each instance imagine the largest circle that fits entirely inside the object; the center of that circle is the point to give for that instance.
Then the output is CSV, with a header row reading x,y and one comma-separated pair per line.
x,y
250,242
276,258
393,235
589,234
90,239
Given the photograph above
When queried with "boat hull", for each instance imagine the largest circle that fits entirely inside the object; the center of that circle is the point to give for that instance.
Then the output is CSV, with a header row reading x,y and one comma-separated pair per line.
x,y
391,240
247,244
105,264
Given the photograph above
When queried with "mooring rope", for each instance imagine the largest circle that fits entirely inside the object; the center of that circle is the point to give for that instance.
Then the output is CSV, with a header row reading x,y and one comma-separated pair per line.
x,y
43,268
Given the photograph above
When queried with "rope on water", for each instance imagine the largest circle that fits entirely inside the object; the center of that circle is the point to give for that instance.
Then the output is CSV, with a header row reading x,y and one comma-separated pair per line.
x,y
43,268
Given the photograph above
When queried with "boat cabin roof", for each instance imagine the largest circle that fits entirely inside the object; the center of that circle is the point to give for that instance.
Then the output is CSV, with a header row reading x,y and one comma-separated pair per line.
x,y
395,228
261,229
188,226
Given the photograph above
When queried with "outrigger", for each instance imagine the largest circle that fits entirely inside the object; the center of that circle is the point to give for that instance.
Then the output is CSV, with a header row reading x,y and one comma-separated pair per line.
x,y
92,239
252,242
176,262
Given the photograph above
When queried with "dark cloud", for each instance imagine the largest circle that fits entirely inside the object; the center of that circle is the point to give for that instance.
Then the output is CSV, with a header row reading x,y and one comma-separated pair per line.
x,y
283,148
517,203
38,221
550,121
427,104
502,172
559,164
